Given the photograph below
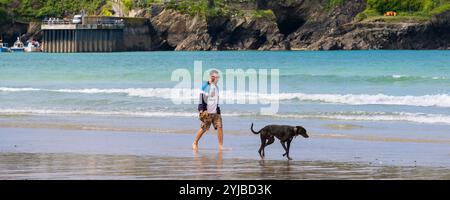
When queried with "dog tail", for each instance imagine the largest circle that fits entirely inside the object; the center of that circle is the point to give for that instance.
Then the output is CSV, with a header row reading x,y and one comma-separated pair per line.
x,y
251,128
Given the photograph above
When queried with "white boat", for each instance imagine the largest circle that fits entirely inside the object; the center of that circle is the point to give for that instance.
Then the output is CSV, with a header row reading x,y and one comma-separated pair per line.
x,y
4,47
18,46
33,46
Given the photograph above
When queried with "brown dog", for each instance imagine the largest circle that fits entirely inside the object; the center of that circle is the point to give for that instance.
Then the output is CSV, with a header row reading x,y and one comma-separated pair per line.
x,y
284,133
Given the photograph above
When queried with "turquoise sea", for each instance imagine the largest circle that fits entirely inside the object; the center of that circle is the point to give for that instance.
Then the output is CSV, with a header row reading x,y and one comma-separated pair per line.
x,y
407,86
371,96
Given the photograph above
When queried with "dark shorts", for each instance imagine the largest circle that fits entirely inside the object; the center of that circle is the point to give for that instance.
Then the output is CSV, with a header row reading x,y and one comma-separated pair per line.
x,y
213,118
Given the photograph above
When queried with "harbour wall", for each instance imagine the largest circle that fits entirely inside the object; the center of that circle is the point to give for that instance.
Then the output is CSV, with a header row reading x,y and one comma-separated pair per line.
x,y
97,34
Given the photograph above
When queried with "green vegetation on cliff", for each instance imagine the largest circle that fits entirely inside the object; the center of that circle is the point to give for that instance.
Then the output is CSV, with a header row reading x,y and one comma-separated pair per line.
x,y
212,8
333,3
200,7
29,10
33,10
417,10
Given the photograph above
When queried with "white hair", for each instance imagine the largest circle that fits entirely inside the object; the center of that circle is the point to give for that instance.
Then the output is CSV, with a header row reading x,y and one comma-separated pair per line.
x,y
213,72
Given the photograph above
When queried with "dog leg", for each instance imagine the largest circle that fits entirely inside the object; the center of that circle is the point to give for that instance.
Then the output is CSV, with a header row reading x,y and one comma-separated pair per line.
x,y
285,148
261,149
266,143
270,141
288,147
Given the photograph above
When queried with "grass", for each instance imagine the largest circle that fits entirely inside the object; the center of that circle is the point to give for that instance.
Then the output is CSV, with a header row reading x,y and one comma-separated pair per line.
x,y
333,3
440,9
408,10
265,14
106,10
199,7
397,19
30,10
221,8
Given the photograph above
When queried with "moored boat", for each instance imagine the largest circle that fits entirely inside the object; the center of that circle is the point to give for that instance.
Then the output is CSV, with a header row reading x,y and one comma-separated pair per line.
x,y
18,46
4,47
33,46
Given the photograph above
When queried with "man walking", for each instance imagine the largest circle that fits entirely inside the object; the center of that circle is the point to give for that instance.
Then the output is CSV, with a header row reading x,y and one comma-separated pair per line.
x,y
209,111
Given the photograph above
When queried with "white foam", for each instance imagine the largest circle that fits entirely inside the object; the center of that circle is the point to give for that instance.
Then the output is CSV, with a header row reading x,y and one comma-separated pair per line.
x,y
90,112
397,76
435,100
438,100
137,92
7,89
377,116
102,113
348,116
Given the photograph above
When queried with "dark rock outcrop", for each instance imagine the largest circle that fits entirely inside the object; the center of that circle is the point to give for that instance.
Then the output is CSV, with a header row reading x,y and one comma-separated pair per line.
x,y
319,22
183,32
379,35
299,24
10,32
336,28
296,25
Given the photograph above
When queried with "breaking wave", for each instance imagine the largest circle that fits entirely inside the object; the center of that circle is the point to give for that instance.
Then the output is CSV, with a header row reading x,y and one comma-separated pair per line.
x,y
436,100
348,116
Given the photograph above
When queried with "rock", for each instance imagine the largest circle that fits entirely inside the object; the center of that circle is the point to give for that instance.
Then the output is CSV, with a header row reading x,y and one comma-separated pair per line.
x,y
296,24
322,24
184,32
10,32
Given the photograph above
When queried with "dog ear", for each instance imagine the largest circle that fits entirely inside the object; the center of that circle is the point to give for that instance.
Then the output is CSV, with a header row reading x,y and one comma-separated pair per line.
x,y
298,129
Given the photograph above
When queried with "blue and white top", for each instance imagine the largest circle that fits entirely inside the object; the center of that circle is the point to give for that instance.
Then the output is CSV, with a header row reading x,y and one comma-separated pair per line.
x,y
209,98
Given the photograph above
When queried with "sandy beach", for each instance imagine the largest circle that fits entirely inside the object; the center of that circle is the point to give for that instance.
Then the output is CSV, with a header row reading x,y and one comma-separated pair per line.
x,y
76,154
369,115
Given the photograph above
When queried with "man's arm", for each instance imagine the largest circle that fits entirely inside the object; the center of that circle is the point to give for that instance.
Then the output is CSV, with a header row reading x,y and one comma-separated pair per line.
x,y
202,105
203,99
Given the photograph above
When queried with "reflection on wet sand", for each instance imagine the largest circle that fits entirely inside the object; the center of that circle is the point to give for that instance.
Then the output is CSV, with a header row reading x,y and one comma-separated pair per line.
x,y
207,164
203,165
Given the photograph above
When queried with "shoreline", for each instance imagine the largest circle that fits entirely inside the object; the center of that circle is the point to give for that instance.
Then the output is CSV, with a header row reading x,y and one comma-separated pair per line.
x,y
372,155
203,166
145,130
365,112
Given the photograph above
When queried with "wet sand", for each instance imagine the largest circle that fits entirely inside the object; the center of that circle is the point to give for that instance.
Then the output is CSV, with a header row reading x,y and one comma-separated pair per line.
x,y
201,166
76,154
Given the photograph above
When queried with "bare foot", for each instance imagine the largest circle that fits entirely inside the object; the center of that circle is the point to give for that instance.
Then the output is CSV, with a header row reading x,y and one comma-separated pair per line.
x,y
221,148
194,146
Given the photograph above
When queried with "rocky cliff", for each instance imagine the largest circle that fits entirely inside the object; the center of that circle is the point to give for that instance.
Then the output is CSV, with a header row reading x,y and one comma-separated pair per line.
x,y
175,31
290,25
297,25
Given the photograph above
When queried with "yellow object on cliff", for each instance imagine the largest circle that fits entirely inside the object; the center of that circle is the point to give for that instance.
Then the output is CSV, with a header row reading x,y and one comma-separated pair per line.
x,y
390,13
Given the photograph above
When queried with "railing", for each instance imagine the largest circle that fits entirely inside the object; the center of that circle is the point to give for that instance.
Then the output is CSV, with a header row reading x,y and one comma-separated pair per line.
x,y
97,22
56,21
110,21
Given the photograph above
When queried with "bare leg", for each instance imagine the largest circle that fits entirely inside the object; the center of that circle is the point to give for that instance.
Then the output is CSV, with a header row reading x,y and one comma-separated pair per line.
x,y
220,137
199,135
